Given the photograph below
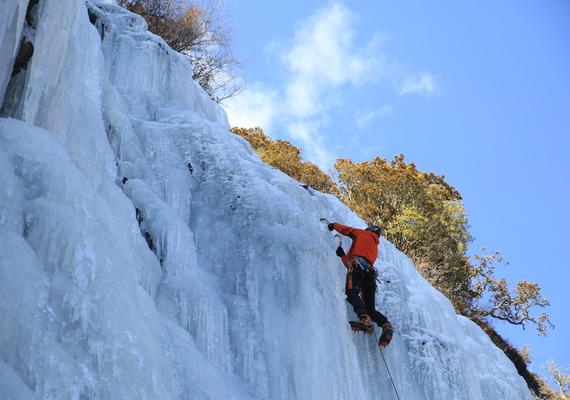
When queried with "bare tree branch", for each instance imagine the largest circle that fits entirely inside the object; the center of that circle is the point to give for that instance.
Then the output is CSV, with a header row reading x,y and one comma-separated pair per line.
x,y
200,32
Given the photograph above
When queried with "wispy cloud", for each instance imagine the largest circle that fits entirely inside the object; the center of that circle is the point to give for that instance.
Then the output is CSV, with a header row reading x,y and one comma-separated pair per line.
x,y
313,144
322,57
364,119
420,83
320,60
256,106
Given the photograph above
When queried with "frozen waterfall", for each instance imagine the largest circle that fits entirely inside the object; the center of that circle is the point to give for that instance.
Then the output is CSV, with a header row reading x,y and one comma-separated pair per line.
x,y
124,275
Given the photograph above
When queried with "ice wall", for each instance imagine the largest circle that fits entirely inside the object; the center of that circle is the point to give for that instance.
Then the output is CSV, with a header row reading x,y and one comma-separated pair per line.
x,y
147,253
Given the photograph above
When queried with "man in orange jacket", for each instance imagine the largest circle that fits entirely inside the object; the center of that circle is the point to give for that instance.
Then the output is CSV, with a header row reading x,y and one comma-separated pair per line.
x,y
361,277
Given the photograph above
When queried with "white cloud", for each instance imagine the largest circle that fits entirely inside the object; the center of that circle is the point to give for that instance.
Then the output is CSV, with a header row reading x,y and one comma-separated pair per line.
x,y
421,83
254,107
364,119
313,146
321,58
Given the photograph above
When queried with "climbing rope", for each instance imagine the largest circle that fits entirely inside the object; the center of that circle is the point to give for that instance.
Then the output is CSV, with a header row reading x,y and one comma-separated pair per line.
x,y
387,369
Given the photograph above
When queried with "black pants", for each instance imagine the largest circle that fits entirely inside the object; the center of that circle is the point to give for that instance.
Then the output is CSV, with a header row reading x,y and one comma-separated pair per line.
x,y
361,294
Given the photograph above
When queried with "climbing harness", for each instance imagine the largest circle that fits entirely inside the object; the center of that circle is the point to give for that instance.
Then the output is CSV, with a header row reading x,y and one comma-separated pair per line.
x,y
362,263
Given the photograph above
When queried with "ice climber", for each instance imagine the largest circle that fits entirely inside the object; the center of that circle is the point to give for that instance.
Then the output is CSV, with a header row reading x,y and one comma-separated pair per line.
x,y
361,277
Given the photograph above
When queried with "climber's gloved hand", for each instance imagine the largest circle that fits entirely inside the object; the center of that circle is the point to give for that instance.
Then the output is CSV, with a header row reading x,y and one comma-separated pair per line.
x,y
331,226
340,252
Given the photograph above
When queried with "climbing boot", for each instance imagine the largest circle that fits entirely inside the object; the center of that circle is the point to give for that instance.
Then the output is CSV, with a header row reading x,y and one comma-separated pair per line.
x,y
364,324
387,333
366,321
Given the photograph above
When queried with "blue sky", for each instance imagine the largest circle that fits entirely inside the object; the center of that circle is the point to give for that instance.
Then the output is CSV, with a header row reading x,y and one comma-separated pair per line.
x,y
478,91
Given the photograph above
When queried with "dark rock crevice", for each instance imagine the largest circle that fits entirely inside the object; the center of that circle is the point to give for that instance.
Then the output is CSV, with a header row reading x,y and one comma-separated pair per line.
x,y
25,53
12,102
31,13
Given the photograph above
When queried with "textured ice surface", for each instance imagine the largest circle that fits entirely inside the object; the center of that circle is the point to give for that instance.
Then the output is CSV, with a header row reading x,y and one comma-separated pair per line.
x,y
216,284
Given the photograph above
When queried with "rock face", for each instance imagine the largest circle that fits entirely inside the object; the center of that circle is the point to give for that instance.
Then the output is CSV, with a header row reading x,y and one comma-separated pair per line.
x,y
124,275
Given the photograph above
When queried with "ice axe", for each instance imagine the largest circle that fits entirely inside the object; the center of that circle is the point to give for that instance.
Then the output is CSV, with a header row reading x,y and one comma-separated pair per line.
x,y
325,221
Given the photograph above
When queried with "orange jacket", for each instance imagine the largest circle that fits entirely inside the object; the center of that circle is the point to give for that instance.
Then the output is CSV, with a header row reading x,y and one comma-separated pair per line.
x,y
364,243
